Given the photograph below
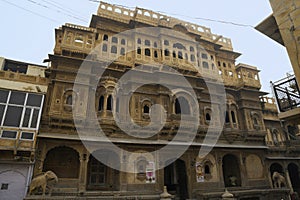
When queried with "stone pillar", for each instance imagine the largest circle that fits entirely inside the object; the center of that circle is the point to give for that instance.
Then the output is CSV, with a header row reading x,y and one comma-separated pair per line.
x,y
165,195
123,173
105,105
84,159
220,168
227,195
288,180
243,171
40,158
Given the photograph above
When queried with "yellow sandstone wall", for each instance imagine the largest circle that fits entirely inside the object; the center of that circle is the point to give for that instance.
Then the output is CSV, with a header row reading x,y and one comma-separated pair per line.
x,y
287,15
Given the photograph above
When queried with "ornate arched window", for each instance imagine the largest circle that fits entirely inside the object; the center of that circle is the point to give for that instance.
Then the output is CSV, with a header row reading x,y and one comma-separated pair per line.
x,y
167,52
233,117
139,51
123,42
147,52
182,106
104,47
109,103
192,57
146,109
114,40
174,54
69,99
155,54
114,49
256,121
105,37
101,103
275,136
147,42
227,120
207,117
122,51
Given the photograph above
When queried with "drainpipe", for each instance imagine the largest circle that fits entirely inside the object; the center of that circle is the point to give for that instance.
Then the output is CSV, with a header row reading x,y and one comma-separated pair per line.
x,y
29,176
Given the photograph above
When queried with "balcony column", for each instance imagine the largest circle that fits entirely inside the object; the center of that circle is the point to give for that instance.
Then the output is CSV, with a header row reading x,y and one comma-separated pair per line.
x,y
244,178
220,172
123,173
105,105
84,159
40,158
230,118
288,180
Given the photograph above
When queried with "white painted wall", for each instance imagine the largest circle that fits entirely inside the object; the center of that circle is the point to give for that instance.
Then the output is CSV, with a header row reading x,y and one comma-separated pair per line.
x,y
16,176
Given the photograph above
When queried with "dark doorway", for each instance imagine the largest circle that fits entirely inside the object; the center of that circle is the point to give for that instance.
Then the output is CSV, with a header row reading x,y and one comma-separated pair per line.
x,y
231,171
275,167
63,161
100,176
294,176
175,178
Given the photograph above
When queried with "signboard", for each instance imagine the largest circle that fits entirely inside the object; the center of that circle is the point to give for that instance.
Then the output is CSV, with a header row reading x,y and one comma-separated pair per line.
x,y
150,172
199,172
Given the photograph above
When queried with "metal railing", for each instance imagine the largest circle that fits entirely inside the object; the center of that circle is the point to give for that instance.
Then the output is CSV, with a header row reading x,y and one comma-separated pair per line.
x,y
287,93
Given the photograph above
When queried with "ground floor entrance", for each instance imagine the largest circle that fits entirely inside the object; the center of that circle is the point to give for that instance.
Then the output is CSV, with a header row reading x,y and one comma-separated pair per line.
x,y
175,178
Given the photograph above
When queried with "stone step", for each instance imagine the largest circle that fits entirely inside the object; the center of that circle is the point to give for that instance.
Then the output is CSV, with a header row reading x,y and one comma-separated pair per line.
x,y
127,197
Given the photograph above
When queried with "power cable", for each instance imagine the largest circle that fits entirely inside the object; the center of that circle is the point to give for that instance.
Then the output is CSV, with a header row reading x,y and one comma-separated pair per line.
x,y
32,12
58,11
62,7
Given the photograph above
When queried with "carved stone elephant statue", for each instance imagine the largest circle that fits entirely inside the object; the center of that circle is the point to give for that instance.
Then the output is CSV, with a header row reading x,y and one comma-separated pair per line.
x,y
45,180
278,180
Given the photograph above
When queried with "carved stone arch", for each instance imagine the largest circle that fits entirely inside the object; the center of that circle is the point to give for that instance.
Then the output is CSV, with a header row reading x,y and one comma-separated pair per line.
x,y
58,145
69,93
179,93
256,120
108,81
208,169
140,168
254,166
146,99
110,88
233,111
275,135
101,90
231,170
63,160
207,111
181,28
293,169
163,21
230,98
179,45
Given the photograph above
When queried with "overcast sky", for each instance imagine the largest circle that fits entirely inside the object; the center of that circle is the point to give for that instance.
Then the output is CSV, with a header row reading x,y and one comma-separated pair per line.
x,y
27,32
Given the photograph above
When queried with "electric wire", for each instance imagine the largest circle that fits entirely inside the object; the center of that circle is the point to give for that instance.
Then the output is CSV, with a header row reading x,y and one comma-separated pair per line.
x,y
63,7
58,11
30,11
